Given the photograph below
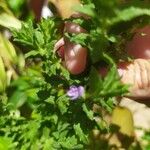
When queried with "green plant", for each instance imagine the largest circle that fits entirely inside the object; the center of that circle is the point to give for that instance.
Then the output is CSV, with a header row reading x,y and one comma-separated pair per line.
x,y
36,111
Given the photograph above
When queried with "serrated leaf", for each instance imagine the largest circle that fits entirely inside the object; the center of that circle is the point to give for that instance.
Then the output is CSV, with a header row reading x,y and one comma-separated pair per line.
x,y
25,34
65,72
48,143
50,100
70,143
39,39
31,131
88,112
108,104
63,103
87,9
6,143
129,14
95,82
81,135
111,84
110,78
62,126
78,38
32,53
98,44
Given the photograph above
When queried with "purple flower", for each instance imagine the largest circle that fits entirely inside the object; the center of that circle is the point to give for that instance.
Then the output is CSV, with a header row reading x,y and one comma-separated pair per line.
x,y
75,92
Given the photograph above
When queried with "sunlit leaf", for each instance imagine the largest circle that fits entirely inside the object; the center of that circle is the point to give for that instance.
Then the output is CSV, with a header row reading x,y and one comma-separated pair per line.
x,y
122,117
9,21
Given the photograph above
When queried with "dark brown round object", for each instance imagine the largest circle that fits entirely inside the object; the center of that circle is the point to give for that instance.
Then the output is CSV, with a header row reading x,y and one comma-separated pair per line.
x,y
75,57
71,27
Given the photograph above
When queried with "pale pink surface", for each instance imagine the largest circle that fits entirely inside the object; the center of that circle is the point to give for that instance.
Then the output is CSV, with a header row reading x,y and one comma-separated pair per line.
x,y
59,43
137,74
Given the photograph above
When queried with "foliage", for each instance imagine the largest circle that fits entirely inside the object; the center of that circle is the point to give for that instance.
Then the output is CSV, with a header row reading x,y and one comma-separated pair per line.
x,y
7,19
36,112
146,140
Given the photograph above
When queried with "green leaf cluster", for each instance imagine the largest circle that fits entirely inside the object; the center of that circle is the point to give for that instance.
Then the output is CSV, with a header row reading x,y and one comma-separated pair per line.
x,y
36,112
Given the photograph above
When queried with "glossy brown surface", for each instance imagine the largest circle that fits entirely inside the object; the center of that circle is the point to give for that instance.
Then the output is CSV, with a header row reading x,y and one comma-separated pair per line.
x,y
75,57
36,6
71,27
139,45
